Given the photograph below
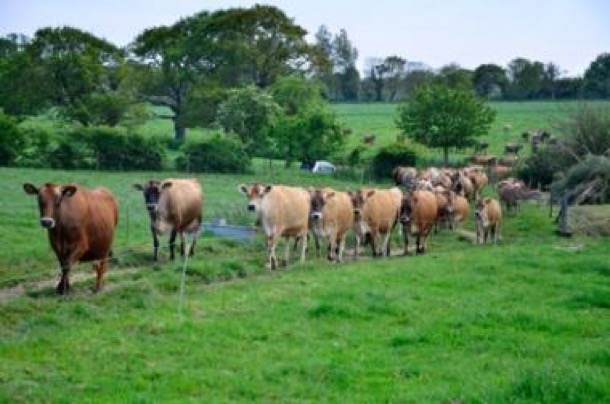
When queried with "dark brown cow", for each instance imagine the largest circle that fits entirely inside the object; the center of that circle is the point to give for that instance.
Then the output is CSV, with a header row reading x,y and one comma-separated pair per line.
x,y
81,224
369,139
173,204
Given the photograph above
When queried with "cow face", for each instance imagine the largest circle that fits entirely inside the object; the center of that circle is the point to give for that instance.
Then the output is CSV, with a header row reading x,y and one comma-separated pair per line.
x,y
152,192
450,208
406,207
480,213
318,201
358,199
50,197
255,194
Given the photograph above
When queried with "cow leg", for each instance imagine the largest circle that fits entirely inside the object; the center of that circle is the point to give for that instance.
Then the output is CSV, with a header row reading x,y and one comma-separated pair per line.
x,y
271,245
172,243
287,252
181,235
405,237
374,242
100,269
195,236
155,243
357,246
341,248
63,287
332,246
385,247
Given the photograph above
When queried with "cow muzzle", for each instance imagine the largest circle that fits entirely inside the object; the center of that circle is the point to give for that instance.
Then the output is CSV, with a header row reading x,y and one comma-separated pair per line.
x,y
152,207
251,207
316,215
47,222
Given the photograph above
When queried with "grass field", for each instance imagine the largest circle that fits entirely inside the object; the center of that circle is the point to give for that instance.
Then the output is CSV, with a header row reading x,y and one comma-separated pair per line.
x,y
524,321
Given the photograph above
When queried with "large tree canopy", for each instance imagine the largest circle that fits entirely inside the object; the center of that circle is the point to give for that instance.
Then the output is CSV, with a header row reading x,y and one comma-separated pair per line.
x,y
597,77
442,117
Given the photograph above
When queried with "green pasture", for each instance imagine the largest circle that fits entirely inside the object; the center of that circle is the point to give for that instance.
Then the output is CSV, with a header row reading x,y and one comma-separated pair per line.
x,y
526,320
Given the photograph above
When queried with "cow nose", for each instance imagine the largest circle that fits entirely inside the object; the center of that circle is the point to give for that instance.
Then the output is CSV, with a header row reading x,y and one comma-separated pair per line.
x,y
316,216
152,207
47,222
477,214
251,208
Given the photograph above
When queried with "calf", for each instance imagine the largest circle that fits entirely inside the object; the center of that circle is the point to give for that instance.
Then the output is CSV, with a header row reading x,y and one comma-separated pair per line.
x,y
418,213
332,216
176,205
81,223
282,211
375,212
488,215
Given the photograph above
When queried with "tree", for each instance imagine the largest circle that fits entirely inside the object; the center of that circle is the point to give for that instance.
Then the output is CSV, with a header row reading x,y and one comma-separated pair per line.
x,y
442,117
323,68
81,74
201,54
249,112
490,81
455,76
526,79
597,77
345,56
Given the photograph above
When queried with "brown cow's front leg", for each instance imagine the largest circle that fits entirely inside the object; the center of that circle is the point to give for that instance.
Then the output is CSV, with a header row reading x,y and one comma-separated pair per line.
x,y
405,237
63,287
172,243
155,243
181,234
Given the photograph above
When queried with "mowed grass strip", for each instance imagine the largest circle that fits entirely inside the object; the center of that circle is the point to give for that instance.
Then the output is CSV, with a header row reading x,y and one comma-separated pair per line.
x,y
493,324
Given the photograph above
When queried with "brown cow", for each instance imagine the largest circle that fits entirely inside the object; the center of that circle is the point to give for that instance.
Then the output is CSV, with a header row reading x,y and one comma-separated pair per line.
x,y
462,185
418,213
457,210
375,212
81,224
282,211
369,139
488,216
484,159
332,216
499,172
176,205
479,182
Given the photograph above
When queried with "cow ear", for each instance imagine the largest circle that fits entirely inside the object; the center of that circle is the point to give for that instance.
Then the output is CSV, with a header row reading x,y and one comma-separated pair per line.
x,y
30,189
166,185
487,200
370,193
268,188
330,195
68,191
243,188
138,187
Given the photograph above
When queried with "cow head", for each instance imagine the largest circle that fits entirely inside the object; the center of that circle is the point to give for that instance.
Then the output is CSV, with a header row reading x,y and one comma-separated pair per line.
x,y
50,197
450,208
480,213
318,199
255,194
152,191
358,199
406,207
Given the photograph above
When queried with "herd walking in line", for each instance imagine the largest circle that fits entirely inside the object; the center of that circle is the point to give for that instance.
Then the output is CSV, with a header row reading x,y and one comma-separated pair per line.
x,y
81,222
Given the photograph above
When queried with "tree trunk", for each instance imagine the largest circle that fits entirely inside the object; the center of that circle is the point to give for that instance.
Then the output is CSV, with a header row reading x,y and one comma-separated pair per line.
x,y
446,156
179,132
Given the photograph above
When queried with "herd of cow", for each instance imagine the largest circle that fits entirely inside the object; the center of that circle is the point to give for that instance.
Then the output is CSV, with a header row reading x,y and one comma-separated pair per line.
x,y
81,222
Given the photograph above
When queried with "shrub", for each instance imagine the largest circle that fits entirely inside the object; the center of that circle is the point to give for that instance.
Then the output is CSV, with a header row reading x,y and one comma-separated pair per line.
x,y
218,154
577,177
391,156
114,149
540,168
12,140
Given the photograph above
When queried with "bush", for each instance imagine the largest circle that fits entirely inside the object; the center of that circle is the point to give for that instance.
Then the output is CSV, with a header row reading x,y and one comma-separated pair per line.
x,y
582,173
114,149
397,154
12,140
219,155
540,168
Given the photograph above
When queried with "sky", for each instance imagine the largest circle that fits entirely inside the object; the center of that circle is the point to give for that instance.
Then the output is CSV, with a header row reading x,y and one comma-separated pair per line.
x,y
569,33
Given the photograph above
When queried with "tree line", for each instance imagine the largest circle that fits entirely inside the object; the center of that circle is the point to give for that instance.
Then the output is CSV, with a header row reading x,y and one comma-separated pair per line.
x,y
250,71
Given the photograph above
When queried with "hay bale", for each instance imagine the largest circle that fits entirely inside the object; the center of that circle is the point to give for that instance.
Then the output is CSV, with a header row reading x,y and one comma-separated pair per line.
x,y
591,220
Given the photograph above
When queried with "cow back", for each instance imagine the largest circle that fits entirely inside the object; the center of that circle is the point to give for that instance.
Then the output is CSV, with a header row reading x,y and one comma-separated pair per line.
x,y
285,211
424,211
338,213
380,211
494,212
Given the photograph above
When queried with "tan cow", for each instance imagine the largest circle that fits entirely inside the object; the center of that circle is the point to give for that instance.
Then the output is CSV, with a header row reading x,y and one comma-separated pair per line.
x,y
81,223
418,213
332,216
375,212
462,185
176,205
441,203
499,172
479,182
282,211
488,216
457,210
